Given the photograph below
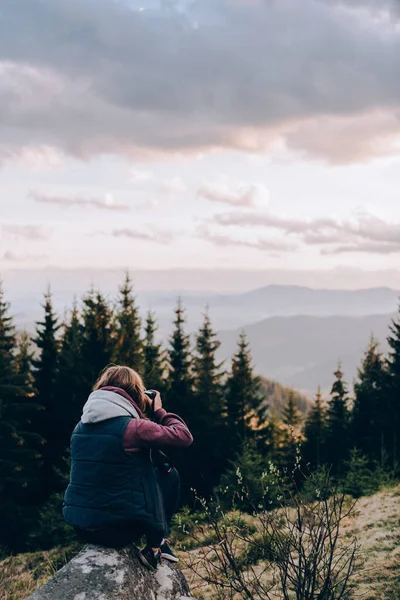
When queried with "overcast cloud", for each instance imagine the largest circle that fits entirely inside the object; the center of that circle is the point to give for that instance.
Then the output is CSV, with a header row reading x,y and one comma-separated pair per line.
x,y
13,257
107,203
152,235
365,233
245,195
88,77
264,244
29,232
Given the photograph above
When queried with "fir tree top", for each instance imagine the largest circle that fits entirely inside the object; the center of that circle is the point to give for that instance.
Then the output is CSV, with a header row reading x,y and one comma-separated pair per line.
x,y
150,327
290,414
46,331
318,403
128,343
46,365
206,368
245,406
179,352
206,340
337,445
7,345
71,364
7,329
394,344
339,387
72,331
317,415
24,361
153,355
371,368
179,378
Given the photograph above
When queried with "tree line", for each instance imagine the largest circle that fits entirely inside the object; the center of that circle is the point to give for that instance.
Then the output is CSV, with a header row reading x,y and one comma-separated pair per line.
x,y
45,381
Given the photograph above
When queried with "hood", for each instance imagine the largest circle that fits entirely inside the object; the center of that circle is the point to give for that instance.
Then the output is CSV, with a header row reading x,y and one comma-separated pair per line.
x,y
102,405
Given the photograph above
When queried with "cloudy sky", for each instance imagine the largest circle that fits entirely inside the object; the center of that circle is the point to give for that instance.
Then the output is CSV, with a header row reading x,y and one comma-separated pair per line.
x,y
259,134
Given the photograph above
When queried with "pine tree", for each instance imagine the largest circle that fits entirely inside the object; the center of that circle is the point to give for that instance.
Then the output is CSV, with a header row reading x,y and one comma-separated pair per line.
x,y
392,421
7,346
46,374
180,381
274,437
315,432
97,343
153,357
359,480
291,418
9,391
128,348
25,452
368,410
71,384
30,443
290,414
20,446
337,437
244,400
179,395
208,419
24,362
207,375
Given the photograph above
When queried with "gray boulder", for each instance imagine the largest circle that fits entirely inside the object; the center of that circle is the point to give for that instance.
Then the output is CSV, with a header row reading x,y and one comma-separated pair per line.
x,y
98,573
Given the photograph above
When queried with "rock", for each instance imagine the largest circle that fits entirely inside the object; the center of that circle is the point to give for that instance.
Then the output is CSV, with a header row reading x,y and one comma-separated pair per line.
x,y
98,573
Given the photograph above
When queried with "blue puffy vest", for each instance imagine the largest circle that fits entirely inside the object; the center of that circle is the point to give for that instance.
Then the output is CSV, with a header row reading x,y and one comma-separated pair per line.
x,y
109,485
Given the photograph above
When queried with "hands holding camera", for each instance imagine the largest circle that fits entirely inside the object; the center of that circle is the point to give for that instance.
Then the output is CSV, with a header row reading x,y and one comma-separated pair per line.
x,y
153,399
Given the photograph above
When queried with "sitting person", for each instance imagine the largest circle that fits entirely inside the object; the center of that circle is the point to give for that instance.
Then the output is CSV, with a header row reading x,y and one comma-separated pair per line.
x,y
121,485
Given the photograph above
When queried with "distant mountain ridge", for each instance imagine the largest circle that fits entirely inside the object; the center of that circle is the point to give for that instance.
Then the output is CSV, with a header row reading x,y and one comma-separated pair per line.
x,y
303,351
229,311
295,300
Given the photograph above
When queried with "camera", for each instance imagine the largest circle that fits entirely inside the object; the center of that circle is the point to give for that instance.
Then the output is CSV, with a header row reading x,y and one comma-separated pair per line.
x,y
151,394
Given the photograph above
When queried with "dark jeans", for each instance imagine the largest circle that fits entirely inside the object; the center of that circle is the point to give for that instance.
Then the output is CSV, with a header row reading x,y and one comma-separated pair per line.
x,y
123,534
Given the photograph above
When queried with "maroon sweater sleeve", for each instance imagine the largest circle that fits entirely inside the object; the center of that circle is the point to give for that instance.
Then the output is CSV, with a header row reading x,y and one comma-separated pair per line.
x,y
166,431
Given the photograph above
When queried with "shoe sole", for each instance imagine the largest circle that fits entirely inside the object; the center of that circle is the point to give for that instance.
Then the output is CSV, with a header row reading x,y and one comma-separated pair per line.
x,y
144,562
173,559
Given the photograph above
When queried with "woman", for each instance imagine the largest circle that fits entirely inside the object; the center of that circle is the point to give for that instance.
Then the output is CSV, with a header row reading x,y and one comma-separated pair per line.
x,y
119,488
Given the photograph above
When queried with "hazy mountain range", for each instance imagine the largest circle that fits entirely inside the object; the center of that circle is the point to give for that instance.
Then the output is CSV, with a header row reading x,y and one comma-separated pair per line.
x,y
297,334
303,351
226,310
217,280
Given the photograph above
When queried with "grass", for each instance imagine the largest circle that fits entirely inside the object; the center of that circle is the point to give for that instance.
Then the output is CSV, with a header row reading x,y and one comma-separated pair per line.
x,y
380,544
376,521
21,575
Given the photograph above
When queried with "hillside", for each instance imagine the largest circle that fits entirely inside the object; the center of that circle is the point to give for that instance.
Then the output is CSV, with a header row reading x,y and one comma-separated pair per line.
x,y
303,351
276,397
375,524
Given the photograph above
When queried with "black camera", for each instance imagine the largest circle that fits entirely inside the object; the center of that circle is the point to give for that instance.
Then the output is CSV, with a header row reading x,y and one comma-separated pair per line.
x,y
151,394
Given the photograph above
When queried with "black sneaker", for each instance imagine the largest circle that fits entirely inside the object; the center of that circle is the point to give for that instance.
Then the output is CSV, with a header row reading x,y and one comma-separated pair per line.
x,y
150,558
167,553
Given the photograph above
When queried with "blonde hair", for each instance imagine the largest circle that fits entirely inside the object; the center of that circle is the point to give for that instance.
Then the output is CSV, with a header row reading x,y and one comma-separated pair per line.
x,y
126,379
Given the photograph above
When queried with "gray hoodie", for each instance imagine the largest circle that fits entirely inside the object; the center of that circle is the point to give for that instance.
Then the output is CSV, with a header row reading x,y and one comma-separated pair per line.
x,y
102,405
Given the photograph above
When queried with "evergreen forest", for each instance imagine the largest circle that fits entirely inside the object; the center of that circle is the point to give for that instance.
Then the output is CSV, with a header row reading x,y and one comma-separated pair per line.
x,y
354,432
